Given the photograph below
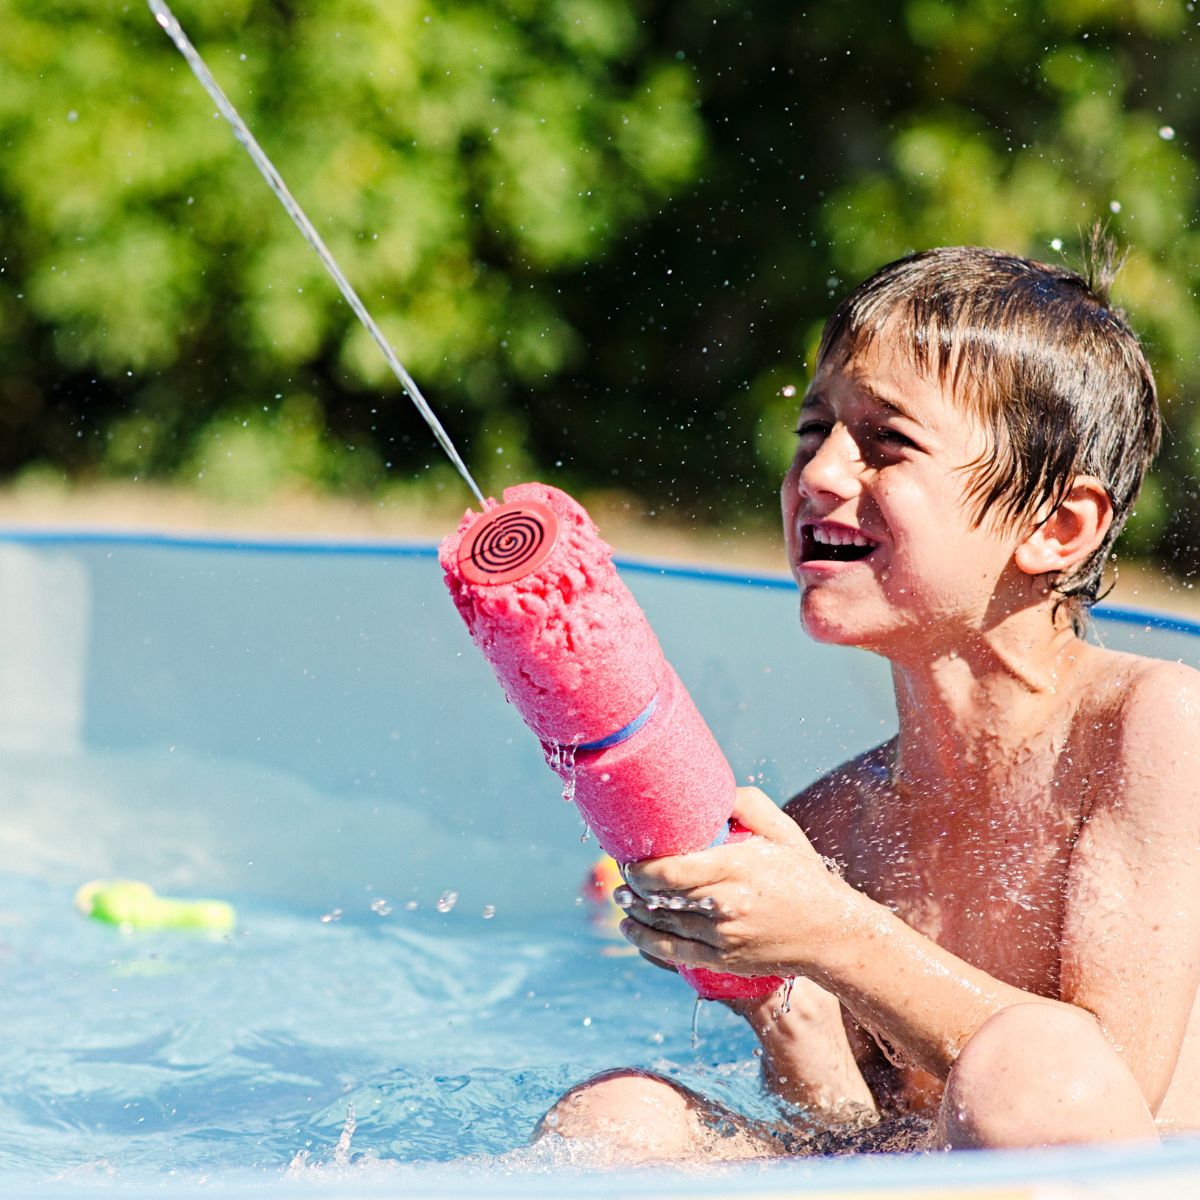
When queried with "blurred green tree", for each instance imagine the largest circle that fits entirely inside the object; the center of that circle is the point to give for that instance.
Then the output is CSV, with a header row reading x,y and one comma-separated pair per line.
x,y
843,135
601,233
160,313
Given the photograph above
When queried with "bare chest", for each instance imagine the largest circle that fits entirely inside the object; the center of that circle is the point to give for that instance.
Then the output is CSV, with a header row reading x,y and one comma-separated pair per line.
x,y
992,894
991,891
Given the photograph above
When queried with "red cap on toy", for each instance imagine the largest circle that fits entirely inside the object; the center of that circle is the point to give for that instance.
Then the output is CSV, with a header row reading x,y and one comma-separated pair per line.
x,y
507,543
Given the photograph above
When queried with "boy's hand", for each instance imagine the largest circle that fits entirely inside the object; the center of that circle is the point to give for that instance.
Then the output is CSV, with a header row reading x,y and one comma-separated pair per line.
x,y
760,907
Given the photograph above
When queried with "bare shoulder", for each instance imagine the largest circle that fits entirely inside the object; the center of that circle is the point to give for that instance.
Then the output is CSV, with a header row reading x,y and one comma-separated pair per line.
x,y
829,810
1148,713
1148,702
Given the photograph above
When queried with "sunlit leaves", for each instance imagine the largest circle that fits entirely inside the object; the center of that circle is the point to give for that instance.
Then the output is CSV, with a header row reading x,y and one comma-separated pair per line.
x,y
455,156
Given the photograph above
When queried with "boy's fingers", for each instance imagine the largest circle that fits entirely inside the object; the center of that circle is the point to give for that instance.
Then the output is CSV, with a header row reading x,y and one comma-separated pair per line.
x,y
689,925
661,963
678,875
693,875
666,947
653,875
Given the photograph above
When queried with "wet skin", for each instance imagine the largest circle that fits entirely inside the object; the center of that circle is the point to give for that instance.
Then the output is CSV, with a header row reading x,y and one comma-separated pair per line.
x,y
1032,834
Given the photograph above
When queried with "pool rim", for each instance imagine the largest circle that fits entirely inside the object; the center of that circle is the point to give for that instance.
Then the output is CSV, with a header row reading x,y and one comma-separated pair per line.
x,y
370,547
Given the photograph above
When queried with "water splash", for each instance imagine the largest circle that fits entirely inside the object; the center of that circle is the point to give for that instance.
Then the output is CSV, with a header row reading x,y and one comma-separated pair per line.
x,y
341,1152
171,26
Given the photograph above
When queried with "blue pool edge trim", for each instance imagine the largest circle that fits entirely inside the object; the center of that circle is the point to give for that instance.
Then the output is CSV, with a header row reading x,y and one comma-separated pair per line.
x,y
380,548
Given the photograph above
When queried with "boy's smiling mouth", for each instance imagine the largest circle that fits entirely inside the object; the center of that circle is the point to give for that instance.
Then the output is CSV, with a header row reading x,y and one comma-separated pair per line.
x,y
827,541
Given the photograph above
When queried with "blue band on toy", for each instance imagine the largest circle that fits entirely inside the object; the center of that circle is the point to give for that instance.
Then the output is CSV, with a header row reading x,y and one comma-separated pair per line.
x,y
719,840
623,734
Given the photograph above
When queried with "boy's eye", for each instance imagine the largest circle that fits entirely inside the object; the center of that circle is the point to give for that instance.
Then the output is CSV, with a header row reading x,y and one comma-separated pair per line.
x,y
895,437
820,428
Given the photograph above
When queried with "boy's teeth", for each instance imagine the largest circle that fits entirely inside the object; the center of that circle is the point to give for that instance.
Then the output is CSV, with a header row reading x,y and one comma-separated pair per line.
x,y
838,537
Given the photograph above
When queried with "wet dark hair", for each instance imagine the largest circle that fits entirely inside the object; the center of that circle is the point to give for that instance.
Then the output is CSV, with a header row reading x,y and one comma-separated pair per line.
x,y
1040,357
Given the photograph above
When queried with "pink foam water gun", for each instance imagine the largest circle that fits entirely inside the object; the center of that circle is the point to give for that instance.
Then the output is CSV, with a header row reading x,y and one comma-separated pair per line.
x,y
536,586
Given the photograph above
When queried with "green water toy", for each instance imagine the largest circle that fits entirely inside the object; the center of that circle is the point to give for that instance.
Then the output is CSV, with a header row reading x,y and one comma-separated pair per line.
x,y
132,904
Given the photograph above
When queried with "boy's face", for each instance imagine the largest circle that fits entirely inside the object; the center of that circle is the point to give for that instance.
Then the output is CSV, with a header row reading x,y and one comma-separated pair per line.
x,y
876,514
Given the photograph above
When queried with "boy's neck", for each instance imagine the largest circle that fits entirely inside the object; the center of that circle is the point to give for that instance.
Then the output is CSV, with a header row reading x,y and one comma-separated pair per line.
x,y
966,712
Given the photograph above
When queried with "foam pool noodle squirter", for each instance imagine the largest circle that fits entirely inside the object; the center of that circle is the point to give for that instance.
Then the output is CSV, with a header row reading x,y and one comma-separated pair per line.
x,y
536,586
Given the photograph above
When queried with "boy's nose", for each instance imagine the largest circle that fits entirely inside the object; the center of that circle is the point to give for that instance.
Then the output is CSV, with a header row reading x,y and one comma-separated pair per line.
x,y
835,468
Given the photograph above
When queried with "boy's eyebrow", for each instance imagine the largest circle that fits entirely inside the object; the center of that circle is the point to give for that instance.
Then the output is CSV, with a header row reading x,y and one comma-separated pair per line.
x,y
890,403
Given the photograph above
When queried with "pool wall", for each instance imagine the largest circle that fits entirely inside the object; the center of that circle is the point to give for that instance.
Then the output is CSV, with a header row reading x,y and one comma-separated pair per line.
x,y
340,674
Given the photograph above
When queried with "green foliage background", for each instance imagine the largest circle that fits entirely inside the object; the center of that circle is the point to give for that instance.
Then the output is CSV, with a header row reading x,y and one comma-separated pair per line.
x,y
602,234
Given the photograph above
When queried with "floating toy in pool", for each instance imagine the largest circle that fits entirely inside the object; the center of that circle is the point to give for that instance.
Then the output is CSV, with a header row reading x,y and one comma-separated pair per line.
x,y
603,878
536,586
135,905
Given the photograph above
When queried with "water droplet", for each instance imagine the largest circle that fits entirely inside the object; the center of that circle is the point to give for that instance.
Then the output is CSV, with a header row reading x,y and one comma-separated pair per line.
x,y
1167,133
1056,243
446,901
788,390
489,911
380,906
1114,206
561,760
785,1005
334,914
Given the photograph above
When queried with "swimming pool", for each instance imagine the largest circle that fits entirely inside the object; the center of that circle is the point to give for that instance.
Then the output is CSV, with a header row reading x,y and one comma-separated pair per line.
x,y
305,730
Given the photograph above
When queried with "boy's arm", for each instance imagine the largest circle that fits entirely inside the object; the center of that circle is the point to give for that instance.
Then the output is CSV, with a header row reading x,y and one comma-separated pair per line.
x,y
780,910
1131,934
1132,912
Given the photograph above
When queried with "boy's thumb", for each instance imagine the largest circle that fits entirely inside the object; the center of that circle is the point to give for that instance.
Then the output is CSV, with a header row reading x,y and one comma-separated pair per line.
x,y
761,815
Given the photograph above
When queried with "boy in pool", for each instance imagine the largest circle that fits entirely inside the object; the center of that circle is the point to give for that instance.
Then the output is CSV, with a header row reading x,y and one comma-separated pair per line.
x,y
993,918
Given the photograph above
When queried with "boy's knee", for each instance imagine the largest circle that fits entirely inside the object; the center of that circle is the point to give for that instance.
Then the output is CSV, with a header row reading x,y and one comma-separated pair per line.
x,y
647,1116
1040,1075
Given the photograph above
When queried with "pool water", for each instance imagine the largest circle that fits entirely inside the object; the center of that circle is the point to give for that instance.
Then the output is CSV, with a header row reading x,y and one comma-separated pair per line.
x,y
444,1033
306,732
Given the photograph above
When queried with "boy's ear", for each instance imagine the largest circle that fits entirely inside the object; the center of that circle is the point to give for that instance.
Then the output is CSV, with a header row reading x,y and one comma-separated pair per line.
x,y
1070,533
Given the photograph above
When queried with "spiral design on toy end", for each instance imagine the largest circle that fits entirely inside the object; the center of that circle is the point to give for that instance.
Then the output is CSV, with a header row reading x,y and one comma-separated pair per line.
x,y
508,542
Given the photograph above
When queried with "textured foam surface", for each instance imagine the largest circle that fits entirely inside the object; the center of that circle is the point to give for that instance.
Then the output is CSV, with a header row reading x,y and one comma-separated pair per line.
x,y
667,790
